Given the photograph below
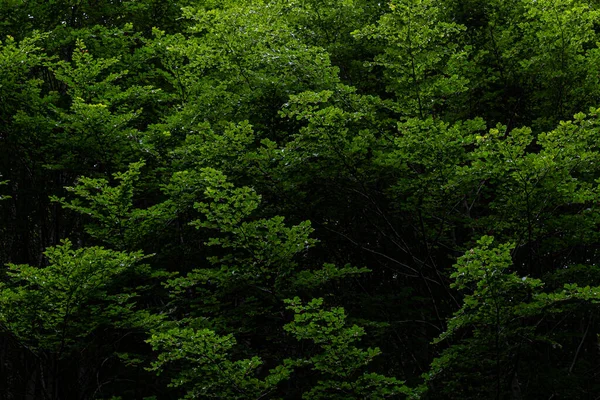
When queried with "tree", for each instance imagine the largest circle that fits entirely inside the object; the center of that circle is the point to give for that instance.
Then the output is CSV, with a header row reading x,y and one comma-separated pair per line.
x,y
62,313
505,325
247,188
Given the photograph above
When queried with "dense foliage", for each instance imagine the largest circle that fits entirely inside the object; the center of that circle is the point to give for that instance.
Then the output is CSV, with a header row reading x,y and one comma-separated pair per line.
x,y
281,199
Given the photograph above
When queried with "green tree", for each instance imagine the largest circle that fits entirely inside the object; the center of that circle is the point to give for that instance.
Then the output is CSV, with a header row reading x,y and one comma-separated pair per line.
x,y
61,314
422,60
223,138
506,324
338,369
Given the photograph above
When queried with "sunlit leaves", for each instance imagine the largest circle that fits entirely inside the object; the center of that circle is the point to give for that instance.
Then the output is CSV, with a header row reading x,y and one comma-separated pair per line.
x,y
421,60
208,370
54,307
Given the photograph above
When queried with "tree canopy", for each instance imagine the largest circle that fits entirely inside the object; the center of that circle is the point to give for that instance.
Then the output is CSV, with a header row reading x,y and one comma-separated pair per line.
x,y
285,199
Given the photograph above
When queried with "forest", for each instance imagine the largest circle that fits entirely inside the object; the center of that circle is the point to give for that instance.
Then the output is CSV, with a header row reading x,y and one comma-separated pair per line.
x,y
299,199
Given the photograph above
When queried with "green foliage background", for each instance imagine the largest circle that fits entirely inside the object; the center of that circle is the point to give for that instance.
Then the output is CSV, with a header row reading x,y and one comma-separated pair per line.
x,y
285,199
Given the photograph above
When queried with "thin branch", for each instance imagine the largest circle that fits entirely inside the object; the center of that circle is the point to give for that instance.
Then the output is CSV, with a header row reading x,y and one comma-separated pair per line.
x,y
581,344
